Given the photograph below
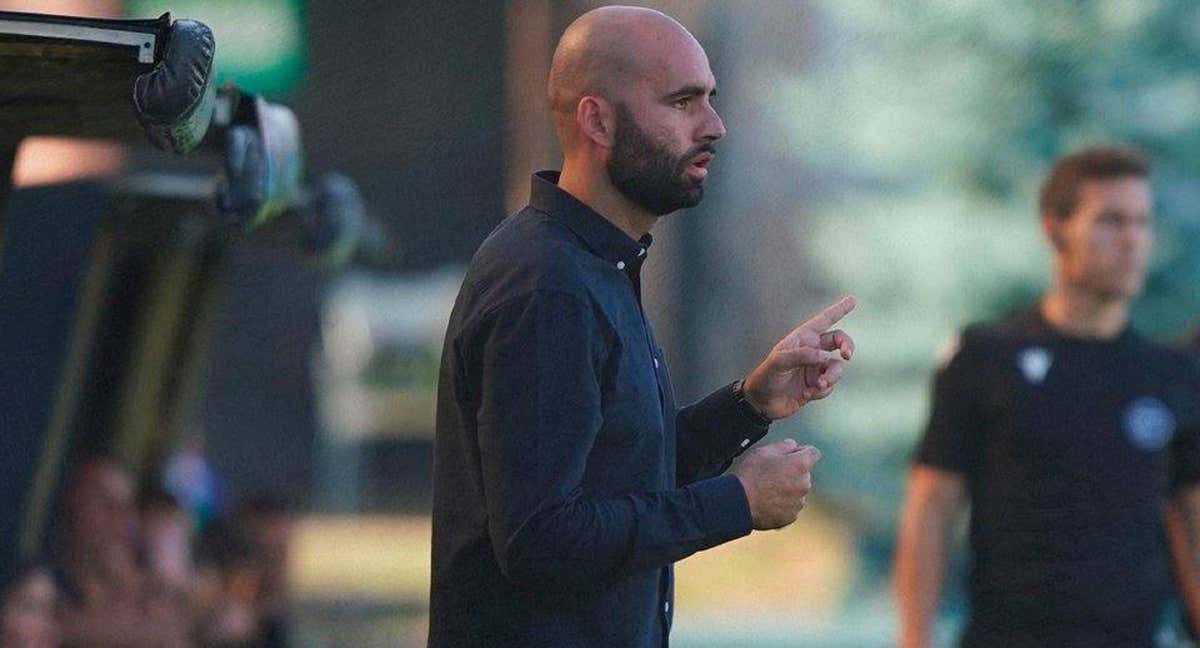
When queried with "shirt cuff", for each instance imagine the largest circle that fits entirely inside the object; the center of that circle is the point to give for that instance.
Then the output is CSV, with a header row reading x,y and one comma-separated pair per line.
x,y
732,429
724,508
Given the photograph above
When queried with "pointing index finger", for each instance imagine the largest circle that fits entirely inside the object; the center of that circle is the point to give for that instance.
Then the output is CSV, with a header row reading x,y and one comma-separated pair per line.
x,y
832,314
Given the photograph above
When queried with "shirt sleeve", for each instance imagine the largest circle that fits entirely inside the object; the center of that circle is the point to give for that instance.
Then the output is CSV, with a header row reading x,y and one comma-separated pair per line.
x,y
711,433
1185,447
1185,459
951,440
539,359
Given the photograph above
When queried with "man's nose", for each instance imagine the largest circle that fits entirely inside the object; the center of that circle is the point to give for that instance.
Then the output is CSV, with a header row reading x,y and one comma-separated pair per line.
x,y
1137,239
1134,233
714,128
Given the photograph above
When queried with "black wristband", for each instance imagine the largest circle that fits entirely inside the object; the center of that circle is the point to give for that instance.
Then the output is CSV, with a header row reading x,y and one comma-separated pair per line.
x,y
739,396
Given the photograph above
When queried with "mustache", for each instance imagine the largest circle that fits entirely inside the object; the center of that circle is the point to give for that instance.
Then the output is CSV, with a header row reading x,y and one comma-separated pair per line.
x,y
706,147
693,153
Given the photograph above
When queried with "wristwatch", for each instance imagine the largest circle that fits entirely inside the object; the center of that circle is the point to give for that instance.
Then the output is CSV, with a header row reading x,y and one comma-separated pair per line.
x,y
739,396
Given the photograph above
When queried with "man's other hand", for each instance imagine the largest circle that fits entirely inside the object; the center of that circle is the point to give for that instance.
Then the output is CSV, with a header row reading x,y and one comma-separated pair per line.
x,y
777,477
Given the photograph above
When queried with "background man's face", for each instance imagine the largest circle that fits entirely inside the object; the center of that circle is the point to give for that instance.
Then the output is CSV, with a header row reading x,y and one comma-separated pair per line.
x,y
103,514
665,129
28,614
1105,245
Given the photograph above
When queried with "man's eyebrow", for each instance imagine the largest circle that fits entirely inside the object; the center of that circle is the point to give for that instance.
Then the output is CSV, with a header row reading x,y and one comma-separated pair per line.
x,y
692,90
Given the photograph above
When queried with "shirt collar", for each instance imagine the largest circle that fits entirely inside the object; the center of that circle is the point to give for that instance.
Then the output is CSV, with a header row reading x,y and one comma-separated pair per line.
x,y
599,234
1035,320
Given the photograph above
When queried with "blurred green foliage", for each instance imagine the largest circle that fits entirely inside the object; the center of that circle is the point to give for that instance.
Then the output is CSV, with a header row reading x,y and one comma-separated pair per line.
x,y
261,44
941,119
933,124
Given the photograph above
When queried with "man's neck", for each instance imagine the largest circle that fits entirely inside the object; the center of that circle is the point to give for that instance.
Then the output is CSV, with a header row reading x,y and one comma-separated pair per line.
x,y
592,188
1080,313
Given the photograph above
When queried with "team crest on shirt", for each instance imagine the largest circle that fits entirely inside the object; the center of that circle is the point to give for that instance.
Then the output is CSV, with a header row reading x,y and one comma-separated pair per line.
x,y
1034,364
1149,424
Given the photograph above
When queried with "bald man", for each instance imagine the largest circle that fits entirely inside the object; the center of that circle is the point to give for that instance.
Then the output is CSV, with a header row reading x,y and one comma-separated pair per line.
x,y
566,480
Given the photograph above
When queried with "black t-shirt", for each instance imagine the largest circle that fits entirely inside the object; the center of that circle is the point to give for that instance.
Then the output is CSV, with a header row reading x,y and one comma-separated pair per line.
x,y
1070,448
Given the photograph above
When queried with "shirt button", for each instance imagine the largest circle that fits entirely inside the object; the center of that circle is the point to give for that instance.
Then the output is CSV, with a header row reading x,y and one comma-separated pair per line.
x,y
656,363
667,607
620,265
642,252
745,442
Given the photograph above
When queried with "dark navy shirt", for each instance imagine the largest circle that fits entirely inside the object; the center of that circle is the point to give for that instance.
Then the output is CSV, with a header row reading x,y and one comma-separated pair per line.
x,y
1070,448
566,481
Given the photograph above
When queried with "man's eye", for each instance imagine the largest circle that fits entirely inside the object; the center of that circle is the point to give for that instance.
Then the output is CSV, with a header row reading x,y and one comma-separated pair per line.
x,y
681,102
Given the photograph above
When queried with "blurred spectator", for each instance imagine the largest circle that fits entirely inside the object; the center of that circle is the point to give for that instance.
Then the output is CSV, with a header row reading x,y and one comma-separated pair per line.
x,y
268,522
230,577
28,613
166,539
97,550
242,576
110,599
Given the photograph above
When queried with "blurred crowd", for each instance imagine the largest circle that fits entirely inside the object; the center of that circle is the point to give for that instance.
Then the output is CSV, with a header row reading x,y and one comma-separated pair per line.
x,y
152,566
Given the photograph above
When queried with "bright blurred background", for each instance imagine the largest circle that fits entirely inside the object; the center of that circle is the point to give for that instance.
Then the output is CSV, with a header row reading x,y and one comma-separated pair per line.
x,y
891,149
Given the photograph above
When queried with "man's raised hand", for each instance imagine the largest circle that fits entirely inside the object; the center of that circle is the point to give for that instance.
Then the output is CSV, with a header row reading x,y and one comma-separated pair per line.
x,y
804,366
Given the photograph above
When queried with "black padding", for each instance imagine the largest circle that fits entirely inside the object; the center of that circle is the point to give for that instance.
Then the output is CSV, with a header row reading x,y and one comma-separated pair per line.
x,y
175,100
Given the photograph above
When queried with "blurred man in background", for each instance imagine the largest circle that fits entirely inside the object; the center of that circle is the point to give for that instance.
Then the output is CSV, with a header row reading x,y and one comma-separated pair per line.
x,y
1069,435
267,522
29,608
566,481
229,587
110,598
165,532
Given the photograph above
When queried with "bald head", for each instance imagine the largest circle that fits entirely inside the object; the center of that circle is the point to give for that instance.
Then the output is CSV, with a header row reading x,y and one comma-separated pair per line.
x,y
607,50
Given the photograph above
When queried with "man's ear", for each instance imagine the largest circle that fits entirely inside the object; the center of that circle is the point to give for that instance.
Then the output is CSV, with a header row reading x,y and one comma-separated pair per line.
x,y
597,120
1053,227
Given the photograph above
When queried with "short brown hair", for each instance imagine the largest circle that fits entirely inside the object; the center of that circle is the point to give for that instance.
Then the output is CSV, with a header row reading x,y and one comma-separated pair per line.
x,y
1060,192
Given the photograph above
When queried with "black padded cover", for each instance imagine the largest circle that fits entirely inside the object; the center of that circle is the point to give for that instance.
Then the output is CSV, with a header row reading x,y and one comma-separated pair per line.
x,y
175,100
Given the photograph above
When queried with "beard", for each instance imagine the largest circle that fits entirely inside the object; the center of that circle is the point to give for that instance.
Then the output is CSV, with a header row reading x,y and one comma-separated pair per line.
x,y
648,173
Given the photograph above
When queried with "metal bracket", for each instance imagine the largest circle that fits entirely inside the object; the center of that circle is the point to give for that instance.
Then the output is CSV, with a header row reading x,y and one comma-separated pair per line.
x,y
143,41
